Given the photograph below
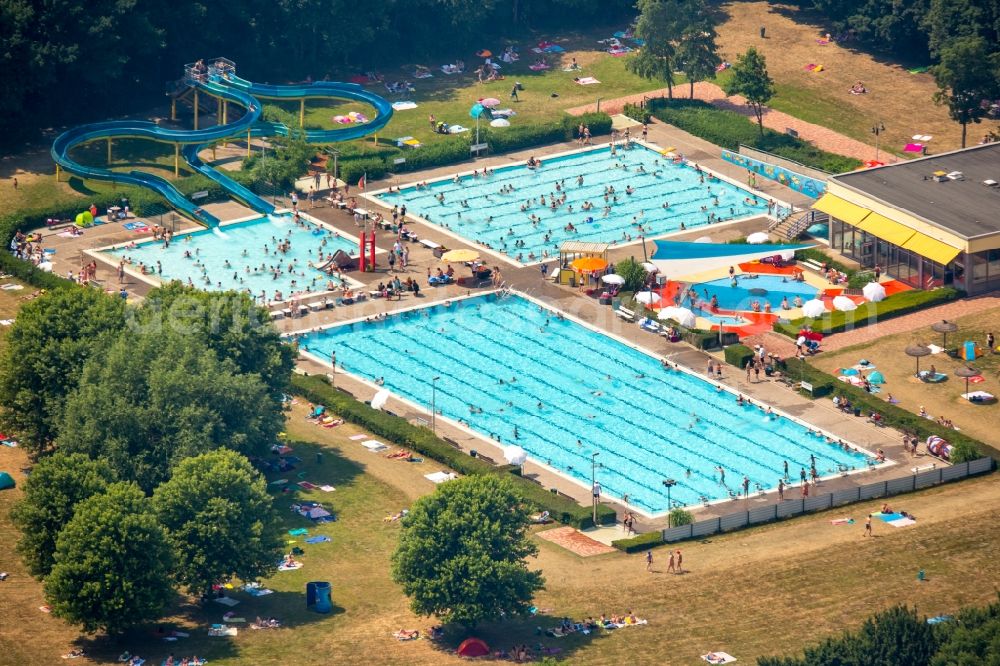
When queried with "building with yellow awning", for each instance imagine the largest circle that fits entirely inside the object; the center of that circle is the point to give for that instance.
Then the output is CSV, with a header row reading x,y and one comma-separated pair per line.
x,y
929,222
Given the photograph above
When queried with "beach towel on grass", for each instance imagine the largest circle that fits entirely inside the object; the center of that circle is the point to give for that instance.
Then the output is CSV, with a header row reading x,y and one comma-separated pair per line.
x,y
718,658
298,531
889,517
374,446
226,601
305,485
327,489
356,438
403,106
587,81
289,567
440,477
902,522
222,630
318,539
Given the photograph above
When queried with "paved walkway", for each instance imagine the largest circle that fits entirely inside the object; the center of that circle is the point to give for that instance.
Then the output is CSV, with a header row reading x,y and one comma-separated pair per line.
x,y
911,322
819,136
575,541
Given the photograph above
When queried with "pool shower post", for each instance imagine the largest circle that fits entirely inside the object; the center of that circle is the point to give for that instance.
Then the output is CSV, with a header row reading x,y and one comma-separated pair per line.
x,y
434,403
333,368
668,484
595,497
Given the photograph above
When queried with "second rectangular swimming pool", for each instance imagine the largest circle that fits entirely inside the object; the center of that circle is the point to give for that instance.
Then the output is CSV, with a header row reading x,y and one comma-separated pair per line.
x,y
590,195
516,372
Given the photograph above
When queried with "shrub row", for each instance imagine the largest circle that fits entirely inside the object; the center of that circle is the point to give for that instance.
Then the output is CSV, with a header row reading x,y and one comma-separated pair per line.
x,y
449,150
869,313
822,383
637,112
738,355
640,542
966,448
421,440
730,129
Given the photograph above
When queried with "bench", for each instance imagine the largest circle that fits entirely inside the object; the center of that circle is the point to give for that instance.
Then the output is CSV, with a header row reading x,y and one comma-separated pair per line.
x,y
923,468
450,441
316,306
813,264
625,314
429,244
277,314
486,459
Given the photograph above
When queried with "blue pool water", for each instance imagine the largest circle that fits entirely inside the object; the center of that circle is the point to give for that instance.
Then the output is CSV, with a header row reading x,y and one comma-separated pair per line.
x,y
481,211
558,382
762,288
244,257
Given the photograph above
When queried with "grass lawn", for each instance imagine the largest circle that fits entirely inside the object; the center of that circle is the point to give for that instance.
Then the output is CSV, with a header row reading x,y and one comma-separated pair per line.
x,y
941,399
769,590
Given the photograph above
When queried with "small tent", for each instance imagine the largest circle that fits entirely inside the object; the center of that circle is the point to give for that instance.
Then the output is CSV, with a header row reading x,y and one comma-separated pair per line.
x,y
473,647
6,481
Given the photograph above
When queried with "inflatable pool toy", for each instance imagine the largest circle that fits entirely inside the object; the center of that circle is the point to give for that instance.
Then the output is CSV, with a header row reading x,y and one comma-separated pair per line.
x,y
939,447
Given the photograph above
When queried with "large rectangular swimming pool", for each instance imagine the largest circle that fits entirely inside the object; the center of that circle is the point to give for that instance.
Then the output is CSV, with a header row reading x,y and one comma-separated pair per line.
x,y
526,214
516,372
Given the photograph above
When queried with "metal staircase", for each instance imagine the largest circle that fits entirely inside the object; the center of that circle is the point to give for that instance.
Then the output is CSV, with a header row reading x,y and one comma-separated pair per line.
x,y
790,227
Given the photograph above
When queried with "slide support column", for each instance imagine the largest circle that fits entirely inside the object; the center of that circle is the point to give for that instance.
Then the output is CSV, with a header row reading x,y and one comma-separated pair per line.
x,y
173,109
196,108
177,159
109,150
302,113
248,143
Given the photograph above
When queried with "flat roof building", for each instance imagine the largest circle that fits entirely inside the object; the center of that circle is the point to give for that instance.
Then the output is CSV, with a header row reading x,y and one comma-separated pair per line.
x,y
929,222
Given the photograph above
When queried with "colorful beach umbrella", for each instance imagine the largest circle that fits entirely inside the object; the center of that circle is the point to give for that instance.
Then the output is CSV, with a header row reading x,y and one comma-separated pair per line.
x,y
814,308
460,255
589,264
844,304
490,102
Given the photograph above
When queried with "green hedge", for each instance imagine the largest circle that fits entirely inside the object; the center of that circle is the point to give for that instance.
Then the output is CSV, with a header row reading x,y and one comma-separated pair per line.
x,y
421,440
443,151
967,448
738,355
868,312
640,542
636,112
798,370
730,129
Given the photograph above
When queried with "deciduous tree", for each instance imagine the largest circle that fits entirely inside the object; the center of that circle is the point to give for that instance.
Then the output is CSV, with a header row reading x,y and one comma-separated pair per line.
x,y
462,552
112,563
750,79
56,485
219,520
43,355
968,77
153,400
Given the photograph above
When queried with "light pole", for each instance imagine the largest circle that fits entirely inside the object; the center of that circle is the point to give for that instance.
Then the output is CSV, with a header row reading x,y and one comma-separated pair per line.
x,y
434,403
333,368
593,482
877,130
668,484
336,154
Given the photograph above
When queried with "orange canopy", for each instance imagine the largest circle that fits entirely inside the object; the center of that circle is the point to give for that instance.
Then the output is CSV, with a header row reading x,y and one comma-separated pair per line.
x,y
589,264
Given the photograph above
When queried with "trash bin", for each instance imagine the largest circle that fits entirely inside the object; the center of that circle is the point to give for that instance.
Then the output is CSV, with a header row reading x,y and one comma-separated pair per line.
x,y
319,457
857,411
520,86
473,453
318,597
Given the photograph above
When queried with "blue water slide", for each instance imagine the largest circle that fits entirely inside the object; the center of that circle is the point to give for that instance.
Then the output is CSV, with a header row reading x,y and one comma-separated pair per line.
x,y
235,190
321,90
232,88
140,129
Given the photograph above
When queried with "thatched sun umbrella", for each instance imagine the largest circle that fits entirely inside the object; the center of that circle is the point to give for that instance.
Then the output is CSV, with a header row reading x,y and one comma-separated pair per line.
x,y
967,371
916,351
944,327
